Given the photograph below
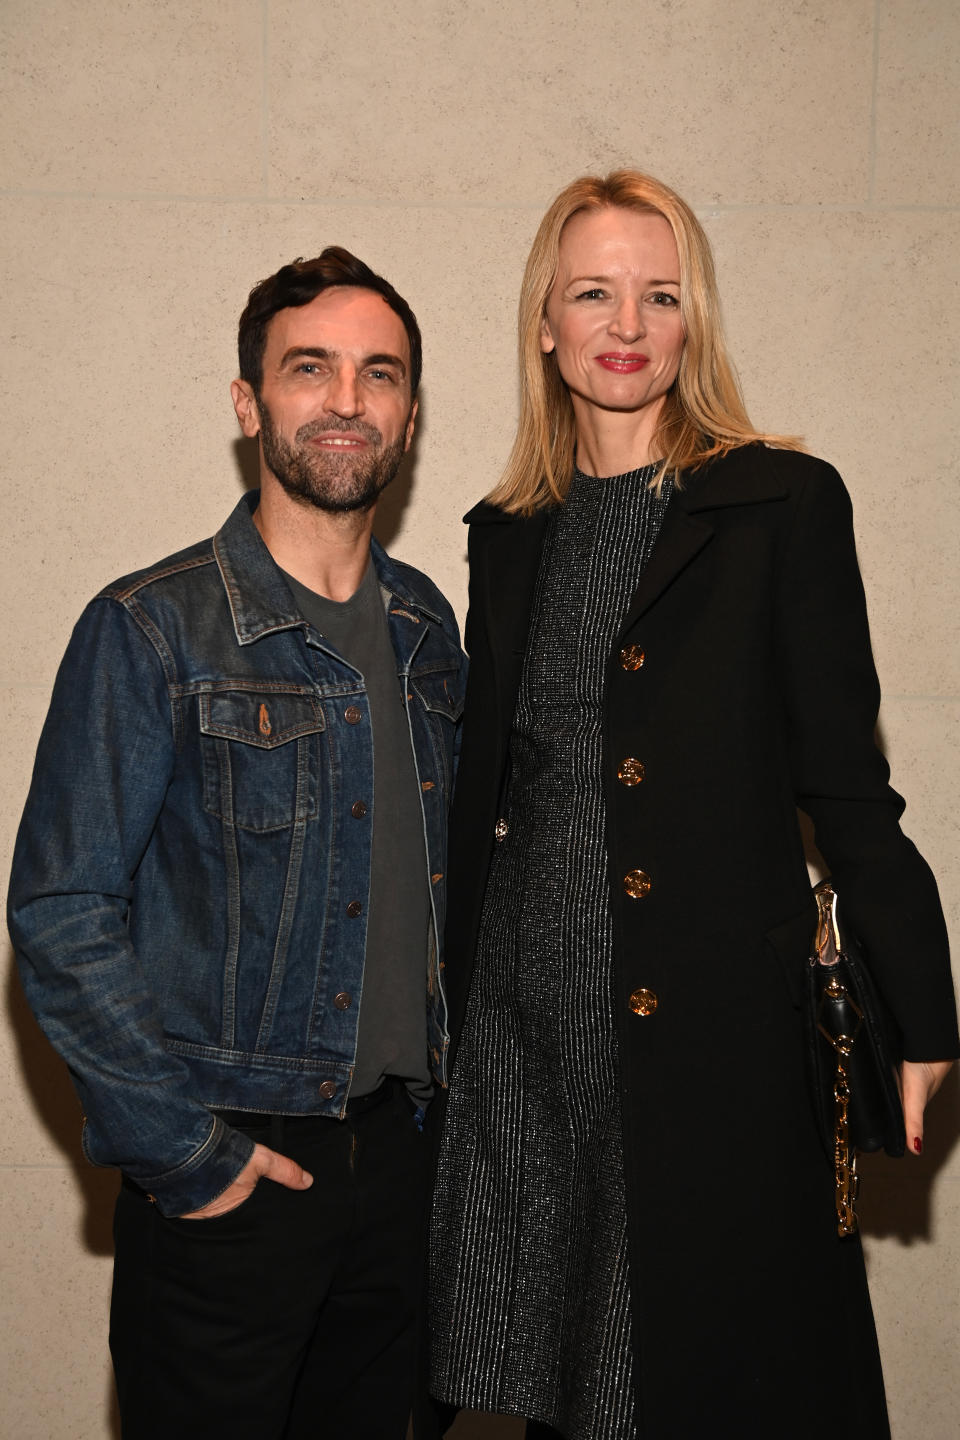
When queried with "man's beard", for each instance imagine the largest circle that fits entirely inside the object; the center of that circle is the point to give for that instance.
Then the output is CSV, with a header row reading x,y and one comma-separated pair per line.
x,y
334,482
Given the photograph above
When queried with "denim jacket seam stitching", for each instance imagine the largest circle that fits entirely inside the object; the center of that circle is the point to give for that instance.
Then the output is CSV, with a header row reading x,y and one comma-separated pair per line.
x,y
124,592
188,1166
158,644
218,1055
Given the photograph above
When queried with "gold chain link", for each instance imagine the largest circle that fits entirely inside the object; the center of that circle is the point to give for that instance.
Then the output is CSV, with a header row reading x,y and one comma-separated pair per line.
x,y
844,1156
828,951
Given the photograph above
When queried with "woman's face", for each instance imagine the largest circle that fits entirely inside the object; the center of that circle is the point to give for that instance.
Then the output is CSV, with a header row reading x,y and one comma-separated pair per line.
x,y
613,315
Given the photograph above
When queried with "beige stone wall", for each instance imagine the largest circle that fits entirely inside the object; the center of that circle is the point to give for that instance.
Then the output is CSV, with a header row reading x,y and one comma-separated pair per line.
x,y
159,158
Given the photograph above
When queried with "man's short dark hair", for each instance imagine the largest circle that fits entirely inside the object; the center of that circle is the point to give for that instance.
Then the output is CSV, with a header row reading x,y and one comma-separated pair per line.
x,y
302,281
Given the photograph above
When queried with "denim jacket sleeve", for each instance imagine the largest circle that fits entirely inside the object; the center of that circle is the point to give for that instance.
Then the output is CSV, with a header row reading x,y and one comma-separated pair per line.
x,y
103,765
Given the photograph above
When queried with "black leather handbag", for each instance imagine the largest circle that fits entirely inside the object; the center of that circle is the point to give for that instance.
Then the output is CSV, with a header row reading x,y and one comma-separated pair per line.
x,y
855,1050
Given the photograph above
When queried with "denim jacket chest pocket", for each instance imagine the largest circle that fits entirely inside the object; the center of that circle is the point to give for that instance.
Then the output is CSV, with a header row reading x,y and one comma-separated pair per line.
x,y
261,762
441,696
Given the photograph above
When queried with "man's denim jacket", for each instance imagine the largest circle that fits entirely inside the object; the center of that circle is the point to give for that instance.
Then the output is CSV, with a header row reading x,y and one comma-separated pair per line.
x,y
190,888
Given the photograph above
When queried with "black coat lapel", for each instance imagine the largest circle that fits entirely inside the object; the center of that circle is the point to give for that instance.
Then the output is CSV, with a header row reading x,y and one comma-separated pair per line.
x,y
681,537
744,477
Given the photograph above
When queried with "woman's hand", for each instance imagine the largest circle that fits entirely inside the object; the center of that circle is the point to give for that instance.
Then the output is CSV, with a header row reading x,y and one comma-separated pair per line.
x,y
920,1081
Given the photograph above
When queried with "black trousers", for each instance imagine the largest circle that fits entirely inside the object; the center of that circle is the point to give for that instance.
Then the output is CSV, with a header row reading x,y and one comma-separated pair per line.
x,y
294,1315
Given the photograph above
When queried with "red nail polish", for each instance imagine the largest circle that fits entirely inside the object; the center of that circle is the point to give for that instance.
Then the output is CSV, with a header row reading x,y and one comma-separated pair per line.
x,y
918,1144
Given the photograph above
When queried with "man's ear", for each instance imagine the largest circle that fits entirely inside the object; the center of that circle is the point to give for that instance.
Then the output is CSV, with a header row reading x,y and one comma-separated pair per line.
x,y
245,404
547,342
408,432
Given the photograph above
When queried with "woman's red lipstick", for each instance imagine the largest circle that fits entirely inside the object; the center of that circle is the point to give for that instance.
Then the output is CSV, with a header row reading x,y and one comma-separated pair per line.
x,y
622,364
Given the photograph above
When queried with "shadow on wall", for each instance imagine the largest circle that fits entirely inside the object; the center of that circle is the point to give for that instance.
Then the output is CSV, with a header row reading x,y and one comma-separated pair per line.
x,y
895,1195
56,1107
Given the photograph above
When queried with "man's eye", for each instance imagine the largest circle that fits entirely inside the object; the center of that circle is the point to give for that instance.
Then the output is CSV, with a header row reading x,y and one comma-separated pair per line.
x,y
380,374
306,367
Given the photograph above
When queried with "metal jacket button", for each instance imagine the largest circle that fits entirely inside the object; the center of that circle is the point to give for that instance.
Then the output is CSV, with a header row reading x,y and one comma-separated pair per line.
x,y
343,1001
352,715
354,908
358,809
637,883
643,1002
630,771
328,1089
631,657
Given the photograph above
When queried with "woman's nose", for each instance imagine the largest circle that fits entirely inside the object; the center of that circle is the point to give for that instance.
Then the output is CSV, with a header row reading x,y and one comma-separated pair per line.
x,y
628,322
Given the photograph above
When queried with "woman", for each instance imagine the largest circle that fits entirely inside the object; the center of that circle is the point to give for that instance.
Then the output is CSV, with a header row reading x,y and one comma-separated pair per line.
x,y
634,1230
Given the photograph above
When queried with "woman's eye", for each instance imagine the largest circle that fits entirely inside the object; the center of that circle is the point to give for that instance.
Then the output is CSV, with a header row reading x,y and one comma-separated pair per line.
x,y
594,294
662,297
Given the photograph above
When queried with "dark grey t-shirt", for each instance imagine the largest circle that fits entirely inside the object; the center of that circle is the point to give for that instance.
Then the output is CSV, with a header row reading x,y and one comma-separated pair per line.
x,y
392,1034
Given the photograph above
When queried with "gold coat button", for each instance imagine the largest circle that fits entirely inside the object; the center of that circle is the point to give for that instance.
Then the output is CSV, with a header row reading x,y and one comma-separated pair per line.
x,y
631,657
501,830
643,1002
630,771
637,883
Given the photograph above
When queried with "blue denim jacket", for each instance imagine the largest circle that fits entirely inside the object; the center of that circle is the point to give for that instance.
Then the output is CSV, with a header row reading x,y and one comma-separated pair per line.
x,y
189,889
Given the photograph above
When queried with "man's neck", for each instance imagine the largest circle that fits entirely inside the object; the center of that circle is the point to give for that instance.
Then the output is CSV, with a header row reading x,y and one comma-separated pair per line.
x,y
328,553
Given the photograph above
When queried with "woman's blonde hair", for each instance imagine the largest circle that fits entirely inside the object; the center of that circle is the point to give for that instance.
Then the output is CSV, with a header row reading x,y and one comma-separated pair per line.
x,y
703,414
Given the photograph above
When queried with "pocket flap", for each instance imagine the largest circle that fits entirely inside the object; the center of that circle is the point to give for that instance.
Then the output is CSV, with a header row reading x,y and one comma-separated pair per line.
x,y
440,693
265,718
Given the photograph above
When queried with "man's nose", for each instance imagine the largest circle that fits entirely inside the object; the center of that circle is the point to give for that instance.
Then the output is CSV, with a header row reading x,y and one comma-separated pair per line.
x,y
344,396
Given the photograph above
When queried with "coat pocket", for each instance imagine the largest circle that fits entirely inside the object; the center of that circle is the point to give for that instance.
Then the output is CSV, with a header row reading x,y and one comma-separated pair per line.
x,y
260,756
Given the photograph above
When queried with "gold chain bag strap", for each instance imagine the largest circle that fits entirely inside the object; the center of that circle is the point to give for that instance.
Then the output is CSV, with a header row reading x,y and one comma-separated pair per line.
x,y
854,1050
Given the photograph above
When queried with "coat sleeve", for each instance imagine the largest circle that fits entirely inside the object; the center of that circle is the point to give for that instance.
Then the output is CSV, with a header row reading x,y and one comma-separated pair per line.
x,y
103,765
841,779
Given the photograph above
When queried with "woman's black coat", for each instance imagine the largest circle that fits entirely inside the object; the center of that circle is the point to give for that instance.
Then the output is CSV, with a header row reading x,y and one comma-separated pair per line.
x,y
756,694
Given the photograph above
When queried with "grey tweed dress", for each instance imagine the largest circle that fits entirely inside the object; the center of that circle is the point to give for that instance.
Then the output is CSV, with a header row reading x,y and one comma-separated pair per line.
x,y
530,1304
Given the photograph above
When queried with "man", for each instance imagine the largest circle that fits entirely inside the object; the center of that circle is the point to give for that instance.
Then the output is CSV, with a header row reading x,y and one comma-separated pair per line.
x,y
235,834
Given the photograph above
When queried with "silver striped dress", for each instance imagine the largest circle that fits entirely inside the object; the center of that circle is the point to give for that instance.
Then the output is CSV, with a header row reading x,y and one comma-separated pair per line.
x,y
530,1305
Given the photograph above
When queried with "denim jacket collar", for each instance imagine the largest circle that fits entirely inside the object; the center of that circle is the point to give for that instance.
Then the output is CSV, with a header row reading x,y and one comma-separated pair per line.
x,y
260,600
